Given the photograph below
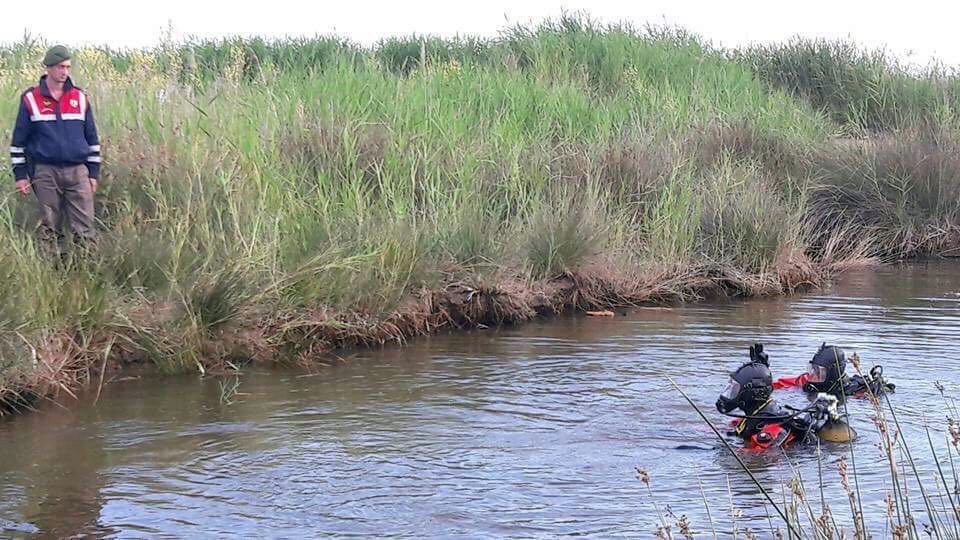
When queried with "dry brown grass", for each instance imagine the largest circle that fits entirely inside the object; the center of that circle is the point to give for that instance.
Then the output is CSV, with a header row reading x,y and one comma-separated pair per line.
x,y
901,193
162,335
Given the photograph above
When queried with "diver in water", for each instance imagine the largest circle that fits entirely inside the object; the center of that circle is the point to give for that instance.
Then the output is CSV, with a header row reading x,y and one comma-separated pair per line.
x,y
826,373
764,422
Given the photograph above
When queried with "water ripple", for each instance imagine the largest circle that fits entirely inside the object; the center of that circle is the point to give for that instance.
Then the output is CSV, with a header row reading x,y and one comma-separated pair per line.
x,y
530,431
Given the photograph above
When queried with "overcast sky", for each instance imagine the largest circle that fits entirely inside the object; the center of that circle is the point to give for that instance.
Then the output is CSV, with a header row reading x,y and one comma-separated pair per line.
x,y
917,30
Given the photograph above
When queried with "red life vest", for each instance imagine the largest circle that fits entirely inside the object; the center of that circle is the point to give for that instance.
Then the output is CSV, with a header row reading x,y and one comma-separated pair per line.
x,y
770,436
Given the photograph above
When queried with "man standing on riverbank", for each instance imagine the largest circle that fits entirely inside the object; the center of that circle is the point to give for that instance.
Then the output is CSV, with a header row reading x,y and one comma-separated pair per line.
x,y
55,152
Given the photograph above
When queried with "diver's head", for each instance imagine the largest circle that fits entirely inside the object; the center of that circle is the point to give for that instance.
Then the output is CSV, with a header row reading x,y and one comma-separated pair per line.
x,y
750,387
826,370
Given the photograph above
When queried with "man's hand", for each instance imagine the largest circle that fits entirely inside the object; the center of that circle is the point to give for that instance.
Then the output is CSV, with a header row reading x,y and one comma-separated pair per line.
x,y
93,184
23,186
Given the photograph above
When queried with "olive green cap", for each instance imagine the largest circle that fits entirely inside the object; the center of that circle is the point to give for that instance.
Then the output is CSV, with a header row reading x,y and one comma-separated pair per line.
x,y
55,55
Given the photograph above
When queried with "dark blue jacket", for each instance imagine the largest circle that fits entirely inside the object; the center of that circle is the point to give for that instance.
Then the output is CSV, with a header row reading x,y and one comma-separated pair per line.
x,y
54,132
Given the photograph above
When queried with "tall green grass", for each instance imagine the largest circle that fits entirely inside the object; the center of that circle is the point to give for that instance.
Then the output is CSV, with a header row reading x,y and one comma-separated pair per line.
x,y
860,89
252,187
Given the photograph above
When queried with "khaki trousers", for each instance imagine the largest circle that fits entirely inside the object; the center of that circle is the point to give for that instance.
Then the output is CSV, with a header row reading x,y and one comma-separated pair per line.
x,y
64,193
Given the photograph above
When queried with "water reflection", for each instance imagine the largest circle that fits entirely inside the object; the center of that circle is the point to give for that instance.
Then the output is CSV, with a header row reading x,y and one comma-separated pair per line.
x,y
511,432
56,473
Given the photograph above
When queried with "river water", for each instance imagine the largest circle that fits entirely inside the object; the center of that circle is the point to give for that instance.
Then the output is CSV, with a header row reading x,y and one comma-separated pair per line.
x,y
519,432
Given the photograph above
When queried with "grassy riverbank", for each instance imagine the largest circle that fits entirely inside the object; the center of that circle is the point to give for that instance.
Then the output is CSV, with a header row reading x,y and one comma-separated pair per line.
x,y
273,201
